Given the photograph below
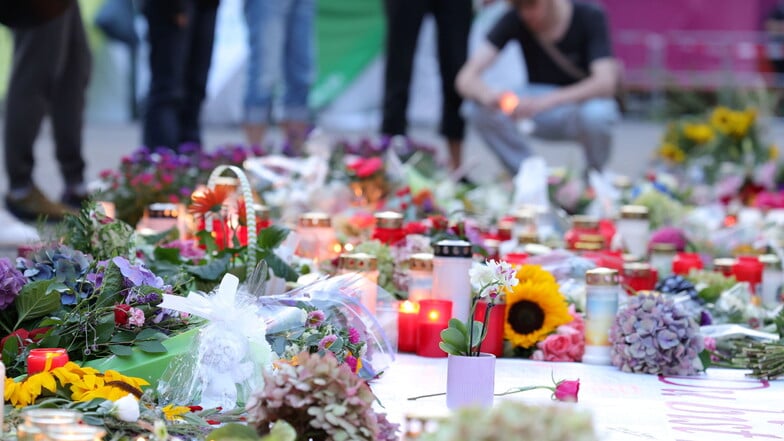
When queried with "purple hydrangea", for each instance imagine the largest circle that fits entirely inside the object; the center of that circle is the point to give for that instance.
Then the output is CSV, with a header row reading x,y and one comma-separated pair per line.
x,y
653,335
11,282
138,275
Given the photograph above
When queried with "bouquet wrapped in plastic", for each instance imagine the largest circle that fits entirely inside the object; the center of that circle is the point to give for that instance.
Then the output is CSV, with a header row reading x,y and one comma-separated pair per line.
x,y
249,331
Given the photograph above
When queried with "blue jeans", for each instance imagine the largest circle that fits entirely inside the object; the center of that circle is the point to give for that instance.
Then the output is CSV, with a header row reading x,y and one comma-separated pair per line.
x,y
589,123
280,38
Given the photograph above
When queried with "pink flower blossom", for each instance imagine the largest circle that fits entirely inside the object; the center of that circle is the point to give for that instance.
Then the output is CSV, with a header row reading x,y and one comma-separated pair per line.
x,y
353,336
671,235
327,341
567,343
567,390
136,317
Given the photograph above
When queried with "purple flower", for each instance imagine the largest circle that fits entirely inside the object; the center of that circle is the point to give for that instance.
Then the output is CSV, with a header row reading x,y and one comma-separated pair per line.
x,y
189,249
353,335
315,319
11,282
327,341
138,275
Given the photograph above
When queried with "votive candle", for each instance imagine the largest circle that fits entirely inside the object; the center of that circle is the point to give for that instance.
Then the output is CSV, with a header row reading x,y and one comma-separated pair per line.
x,y
434,315
45,359
494,339
407,316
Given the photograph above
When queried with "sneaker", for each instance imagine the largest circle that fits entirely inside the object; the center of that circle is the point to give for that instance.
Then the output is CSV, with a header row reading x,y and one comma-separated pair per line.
x,y
36,205
15,233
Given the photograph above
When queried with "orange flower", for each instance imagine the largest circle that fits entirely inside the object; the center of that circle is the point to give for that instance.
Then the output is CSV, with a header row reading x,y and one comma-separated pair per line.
x,y
208,200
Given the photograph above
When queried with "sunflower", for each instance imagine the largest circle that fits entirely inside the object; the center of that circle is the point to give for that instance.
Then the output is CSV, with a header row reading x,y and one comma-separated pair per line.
x,y
534,308
721,119
174,413
208,200
698,133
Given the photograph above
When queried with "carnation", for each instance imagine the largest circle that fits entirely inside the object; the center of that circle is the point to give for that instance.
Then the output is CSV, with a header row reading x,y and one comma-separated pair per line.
x,y
653,335
321,399
11,282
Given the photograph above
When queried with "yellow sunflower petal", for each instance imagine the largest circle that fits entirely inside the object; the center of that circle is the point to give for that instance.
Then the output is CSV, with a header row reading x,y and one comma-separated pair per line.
x,y
533,311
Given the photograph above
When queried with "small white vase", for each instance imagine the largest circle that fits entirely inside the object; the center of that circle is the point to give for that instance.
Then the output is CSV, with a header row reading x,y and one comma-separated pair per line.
x,y
470,381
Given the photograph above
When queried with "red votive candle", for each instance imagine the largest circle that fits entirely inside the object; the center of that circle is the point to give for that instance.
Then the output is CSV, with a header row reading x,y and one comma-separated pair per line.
x,y
748,269
433,318
494,340
407,318
516,258
682,263
45,359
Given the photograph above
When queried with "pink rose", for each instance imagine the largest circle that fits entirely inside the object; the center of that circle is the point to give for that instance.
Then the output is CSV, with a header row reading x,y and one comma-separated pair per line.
x,y
136,317
556,347
567,390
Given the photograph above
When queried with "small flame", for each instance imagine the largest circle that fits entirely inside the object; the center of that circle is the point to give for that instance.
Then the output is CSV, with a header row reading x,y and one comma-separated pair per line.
x,y
409,307
433,315
508,102
348,247
337,248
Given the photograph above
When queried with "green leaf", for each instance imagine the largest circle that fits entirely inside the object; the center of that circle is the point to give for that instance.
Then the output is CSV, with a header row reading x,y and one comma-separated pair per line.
x,y
705,358
104,329
234,432
449,349
212,271
206,239
120,350
272,236
454,337
477,333
171,255
150,334
113,283
280,268
123,337
10,351
459,325
151,346
152,239
36,301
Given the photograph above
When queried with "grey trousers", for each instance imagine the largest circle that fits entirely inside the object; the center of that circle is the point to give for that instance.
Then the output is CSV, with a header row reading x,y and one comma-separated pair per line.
x,y
588,123
50,72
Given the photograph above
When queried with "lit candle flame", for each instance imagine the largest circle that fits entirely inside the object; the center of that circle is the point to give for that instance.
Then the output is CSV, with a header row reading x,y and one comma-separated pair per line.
x,y
348,247
337,248
409,307
508,102
433,315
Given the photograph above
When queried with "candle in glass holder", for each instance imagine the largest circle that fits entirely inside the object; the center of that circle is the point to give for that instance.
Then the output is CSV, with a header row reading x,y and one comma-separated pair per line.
x,y
684,262
494,340
317,239
420,276
389,227
639,276
662,255
45,359
75,432
434,315
601,306
160,217
451,263
723,265
367,266
634,229
36,423
407,317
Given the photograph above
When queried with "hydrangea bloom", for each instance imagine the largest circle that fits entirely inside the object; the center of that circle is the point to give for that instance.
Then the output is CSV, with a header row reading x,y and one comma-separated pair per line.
x,y
653,335
11,282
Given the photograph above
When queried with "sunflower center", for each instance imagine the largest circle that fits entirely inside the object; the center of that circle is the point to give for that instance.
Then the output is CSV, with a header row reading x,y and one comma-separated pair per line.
x,y
526,316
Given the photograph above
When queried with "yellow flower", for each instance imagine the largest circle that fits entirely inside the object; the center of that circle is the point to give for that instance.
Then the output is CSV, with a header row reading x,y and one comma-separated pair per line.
x,y
773,152
698,133
534,309
174,413
672,153
720,119
534,274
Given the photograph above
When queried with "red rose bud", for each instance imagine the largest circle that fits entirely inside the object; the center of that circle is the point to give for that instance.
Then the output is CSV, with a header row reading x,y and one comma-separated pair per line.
x,y
121,314
567,390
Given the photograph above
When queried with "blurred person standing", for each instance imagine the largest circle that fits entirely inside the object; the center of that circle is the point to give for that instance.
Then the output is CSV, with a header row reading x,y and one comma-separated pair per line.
x,y
774,27
49,76
280,42
572,73
181,35
404,19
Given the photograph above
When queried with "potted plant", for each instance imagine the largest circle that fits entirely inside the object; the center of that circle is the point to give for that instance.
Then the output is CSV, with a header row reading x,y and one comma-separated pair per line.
x,y
471,373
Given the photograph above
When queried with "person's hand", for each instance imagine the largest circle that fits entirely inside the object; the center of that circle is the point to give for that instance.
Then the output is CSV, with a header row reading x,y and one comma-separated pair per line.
x,y
528,107
491,100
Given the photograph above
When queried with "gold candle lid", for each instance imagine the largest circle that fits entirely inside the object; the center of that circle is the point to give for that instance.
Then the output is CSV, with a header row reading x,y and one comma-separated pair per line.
x,y
420,262
315,219
663,248
588,246
163,210
602,276
634,212
637,269
723,264
524,217
592,238
358,262
586,222
262,211
229,182
771,261
388,219
527,237
631,258
622,182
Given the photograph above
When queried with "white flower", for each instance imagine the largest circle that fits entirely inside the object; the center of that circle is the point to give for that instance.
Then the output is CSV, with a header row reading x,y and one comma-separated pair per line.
x,y
126,409
482,277
159,431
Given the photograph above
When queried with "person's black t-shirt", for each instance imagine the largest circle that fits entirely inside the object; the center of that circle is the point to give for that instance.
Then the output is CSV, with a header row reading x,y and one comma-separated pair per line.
x,y
587,39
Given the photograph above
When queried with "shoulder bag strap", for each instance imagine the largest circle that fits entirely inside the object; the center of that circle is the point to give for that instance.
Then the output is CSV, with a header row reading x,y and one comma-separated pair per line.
x,y
561,60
